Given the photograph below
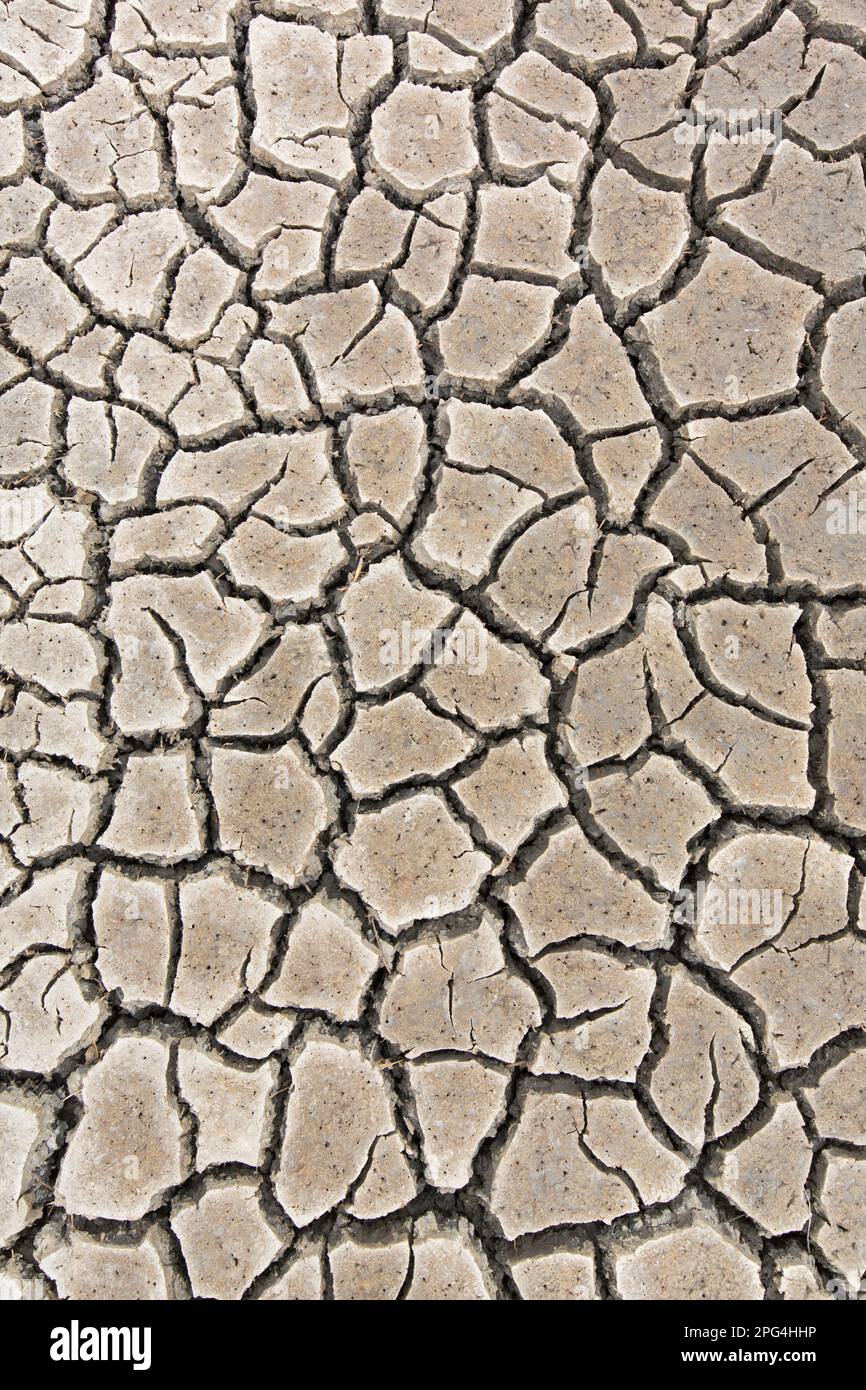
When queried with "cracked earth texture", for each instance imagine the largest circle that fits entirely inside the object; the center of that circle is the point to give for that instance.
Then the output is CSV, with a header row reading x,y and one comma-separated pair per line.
x,y
433,649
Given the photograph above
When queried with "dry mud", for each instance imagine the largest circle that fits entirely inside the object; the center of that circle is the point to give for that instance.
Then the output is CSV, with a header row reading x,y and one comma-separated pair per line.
x,y
433,649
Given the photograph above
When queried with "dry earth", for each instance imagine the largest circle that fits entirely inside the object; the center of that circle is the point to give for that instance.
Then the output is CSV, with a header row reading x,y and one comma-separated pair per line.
x,y
432,539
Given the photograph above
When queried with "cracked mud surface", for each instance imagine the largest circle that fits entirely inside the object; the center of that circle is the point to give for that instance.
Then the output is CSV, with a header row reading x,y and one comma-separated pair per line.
x,y
433,650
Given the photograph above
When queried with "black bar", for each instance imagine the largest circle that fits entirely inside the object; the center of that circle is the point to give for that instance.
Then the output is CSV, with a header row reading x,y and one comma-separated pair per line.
x,y
605,1339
